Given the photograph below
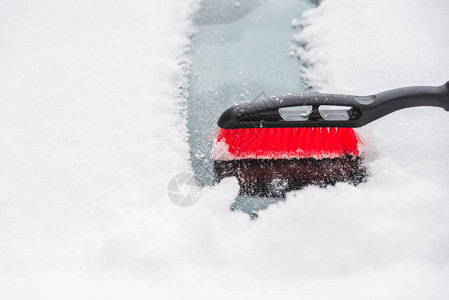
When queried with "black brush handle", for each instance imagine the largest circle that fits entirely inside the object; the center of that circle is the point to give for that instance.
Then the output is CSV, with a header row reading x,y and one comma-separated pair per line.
x,y
363,109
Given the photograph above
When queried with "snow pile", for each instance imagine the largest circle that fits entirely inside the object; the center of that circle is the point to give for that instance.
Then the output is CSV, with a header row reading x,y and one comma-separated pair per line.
x,y
89,138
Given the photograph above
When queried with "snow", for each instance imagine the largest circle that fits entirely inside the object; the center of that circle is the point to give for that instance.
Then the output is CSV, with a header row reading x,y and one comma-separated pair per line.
x,y
91,133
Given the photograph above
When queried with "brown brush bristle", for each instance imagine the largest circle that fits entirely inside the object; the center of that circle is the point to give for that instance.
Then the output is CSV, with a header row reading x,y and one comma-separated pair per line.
x,y
276,177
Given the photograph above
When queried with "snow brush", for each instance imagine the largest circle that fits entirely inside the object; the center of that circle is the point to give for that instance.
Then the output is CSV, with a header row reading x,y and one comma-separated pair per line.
x,y
283,143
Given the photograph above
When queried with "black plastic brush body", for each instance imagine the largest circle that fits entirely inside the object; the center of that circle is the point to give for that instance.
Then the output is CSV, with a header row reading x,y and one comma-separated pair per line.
x,y
330,110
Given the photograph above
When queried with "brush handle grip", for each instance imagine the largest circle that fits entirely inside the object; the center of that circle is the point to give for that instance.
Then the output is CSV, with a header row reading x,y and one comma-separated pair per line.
x,y
393,100
361,109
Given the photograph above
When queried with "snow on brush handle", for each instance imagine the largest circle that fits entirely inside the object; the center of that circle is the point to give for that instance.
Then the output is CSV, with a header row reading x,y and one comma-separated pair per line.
x,y
331,110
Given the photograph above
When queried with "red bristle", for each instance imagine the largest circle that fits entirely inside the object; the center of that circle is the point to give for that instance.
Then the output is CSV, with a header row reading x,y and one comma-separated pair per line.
x,y
289,142
324,146
332,139
314,141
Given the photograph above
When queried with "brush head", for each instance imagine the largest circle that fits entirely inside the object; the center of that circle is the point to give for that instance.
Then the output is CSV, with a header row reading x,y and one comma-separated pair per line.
x,y
272,146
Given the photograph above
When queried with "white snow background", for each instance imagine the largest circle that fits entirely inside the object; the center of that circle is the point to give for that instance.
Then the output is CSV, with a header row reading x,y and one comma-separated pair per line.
x,y
91,133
